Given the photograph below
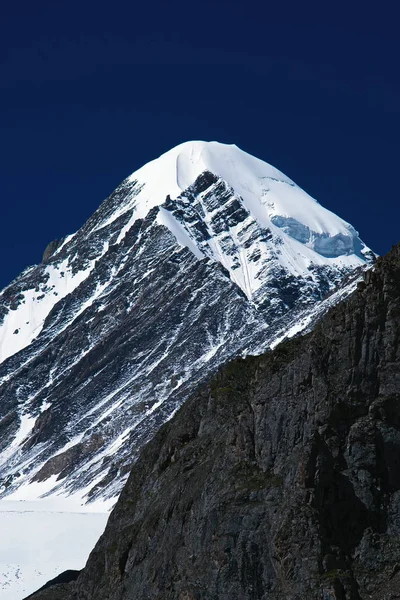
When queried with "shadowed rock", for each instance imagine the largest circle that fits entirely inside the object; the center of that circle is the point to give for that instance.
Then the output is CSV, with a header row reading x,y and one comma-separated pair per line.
x,y
58,585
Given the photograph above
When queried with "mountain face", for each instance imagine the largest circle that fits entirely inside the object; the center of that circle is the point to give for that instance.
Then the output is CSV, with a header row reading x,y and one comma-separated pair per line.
x,y
278,480
202,255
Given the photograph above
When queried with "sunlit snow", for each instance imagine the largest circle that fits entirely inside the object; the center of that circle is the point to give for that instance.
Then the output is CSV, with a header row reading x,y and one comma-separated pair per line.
x,y
40,540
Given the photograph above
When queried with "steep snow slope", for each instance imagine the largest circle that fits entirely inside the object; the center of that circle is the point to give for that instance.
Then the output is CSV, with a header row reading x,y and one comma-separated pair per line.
x,y
202,254
24,321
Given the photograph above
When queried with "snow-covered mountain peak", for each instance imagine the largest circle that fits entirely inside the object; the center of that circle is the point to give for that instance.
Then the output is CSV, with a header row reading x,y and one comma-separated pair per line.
x,y
201,255
268,196
219,202
285,224
253,235
177,169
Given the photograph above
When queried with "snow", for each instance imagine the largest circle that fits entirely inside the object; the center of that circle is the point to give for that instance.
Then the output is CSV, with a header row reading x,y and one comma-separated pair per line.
x,y
177,169
305,322
21,326
26,425
311,234
64,243
266,191
40,540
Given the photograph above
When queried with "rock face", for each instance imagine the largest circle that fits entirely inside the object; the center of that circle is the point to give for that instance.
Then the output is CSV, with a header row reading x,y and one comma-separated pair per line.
x,y
279,480
202,255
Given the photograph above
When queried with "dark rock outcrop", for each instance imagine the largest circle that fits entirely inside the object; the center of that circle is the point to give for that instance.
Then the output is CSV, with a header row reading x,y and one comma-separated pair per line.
x,y
56,588
50,249
279,480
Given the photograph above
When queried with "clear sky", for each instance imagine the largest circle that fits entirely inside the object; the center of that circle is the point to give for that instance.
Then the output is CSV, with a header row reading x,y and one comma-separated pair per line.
x,y
90,91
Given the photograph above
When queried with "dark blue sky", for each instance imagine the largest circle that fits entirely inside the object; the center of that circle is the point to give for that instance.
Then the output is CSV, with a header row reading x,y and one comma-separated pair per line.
x,y
90,91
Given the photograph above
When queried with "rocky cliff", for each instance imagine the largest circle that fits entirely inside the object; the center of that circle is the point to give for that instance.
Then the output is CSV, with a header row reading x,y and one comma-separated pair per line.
x,y
278,480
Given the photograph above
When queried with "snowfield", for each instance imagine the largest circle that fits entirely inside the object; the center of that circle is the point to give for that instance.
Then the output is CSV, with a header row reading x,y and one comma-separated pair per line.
x,y
41,539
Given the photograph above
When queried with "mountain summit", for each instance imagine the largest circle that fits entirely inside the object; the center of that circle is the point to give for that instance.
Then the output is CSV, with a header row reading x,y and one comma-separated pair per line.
x,y
201,255
258,197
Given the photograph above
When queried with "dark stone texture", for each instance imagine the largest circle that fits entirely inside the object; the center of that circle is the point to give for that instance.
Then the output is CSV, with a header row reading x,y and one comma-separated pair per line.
x,y
50,249
279,480
58,585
